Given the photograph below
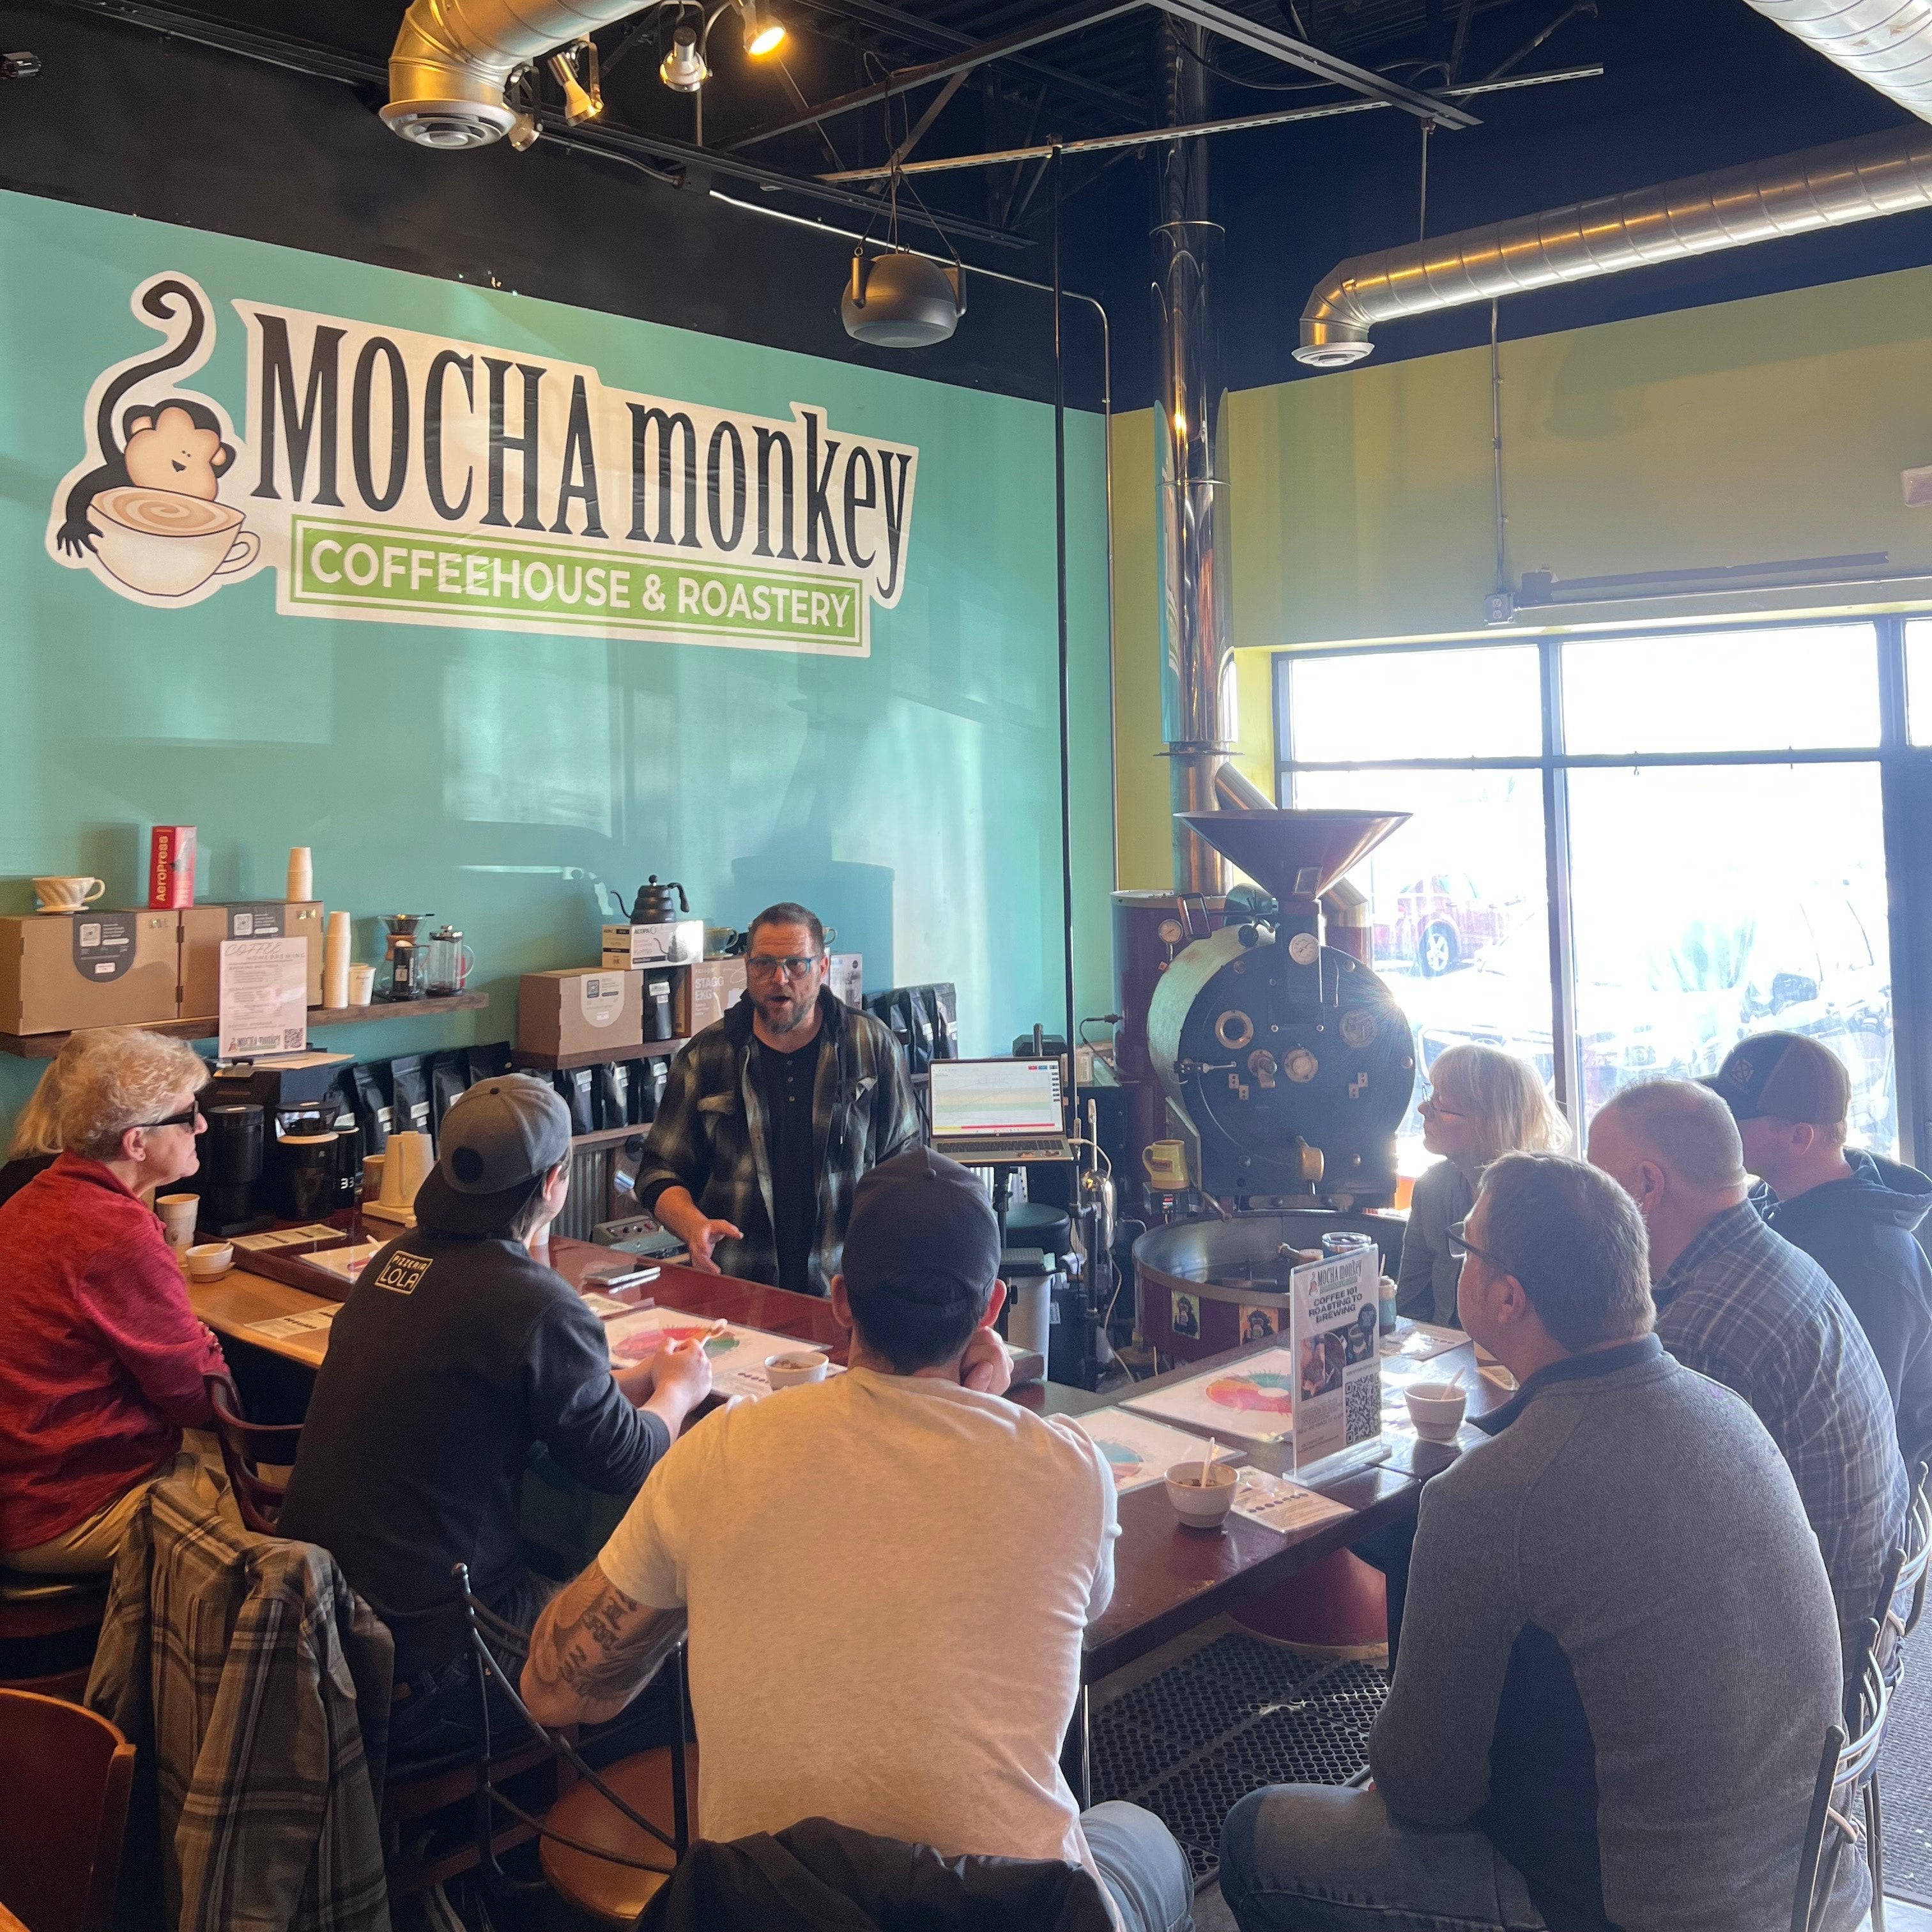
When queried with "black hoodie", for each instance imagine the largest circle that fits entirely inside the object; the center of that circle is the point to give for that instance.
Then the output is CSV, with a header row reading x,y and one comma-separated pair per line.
x,y
1859,1231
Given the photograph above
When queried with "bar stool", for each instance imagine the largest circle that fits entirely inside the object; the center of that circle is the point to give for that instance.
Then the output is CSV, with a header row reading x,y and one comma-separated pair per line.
x,y
34,1610
69,1771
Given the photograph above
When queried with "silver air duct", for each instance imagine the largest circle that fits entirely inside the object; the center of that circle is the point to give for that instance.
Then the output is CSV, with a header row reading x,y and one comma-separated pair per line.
x,y
448,68
1887,44
1793,194
1197,675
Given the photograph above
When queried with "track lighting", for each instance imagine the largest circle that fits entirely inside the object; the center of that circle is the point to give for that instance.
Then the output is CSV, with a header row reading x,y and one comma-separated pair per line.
x,y
581,103
684,67
764,32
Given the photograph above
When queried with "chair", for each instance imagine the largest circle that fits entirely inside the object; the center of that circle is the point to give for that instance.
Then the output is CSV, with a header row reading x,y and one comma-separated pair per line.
x,y
606,1858
1844,1771
68,1771
34,1609
245,1448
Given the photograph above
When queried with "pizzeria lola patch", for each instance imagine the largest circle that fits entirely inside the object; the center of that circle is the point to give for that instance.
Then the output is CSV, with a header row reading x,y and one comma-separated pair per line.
x,y
397,477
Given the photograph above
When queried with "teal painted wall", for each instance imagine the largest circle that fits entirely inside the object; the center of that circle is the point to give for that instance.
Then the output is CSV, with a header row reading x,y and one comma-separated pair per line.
x,y
912,798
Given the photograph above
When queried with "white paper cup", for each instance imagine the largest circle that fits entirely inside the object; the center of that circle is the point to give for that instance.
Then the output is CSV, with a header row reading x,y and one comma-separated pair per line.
x,y
361,983
795,1365
179,1213
1204,1505
211,1260
1436,1409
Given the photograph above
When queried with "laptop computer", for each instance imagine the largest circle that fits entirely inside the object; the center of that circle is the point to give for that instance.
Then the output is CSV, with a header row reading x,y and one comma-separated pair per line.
x,y
996,1111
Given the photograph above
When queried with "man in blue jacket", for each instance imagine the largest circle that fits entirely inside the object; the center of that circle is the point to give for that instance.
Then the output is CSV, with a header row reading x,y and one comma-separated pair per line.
x,y
1854,1214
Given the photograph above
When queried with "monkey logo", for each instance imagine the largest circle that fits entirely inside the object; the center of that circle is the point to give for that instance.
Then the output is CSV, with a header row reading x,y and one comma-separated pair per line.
x,y
143,510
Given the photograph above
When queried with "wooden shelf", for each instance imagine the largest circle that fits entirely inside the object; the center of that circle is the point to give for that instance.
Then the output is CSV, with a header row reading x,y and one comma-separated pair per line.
x,y
45,1045
566,1063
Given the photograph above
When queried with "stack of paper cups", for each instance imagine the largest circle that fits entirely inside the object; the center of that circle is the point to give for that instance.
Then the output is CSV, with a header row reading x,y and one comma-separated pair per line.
x,y
301,873
335,962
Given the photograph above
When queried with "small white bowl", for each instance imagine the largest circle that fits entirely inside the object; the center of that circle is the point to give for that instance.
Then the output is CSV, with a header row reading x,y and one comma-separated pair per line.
x,y
209,1261
795,1365
1204,1506
1436,1409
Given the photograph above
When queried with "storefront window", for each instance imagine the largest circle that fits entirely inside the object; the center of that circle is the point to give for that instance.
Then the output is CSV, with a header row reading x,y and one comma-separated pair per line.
x,y
1705,902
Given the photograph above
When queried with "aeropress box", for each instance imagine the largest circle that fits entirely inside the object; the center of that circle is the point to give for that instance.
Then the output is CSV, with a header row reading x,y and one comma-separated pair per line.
x,y
580,1010
61,971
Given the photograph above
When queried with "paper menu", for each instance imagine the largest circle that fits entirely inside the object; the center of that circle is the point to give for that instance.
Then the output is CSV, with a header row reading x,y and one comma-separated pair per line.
x,y
264,997
1418,1342
1333,1329
1139,1451
346,1264
1252,1399
737,1353
1277,1504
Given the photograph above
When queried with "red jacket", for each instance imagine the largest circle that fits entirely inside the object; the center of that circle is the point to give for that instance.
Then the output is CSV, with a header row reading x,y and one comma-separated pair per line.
x,y
101,1358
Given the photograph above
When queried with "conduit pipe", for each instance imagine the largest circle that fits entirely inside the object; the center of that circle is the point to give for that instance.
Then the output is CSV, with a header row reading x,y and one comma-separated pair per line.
x,y
453,57
1829,186
1887,44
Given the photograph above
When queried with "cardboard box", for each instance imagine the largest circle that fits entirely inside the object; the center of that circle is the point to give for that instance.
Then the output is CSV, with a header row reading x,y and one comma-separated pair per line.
x,y
62,970
679,942
581,1010
171,867
204,928
845,974
716,986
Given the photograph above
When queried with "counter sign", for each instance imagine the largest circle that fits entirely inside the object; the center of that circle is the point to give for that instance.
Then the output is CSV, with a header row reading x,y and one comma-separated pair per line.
x,y
399,478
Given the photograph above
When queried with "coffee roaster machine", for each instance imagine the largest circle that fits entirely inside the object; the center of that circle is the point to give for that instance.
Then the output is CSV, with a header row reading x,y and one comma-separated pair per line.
x,y
1280,1064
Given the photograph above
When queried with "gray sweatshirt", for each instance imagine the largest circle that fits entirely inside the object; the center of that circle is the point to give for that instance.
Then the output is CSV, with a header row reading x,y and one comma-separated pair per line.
x,y
1621,1654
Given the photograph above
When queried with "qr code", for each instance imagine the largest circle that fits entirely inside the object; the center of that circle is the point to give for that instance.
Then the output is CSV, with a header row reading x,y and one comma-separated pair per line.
x,y
1362,1407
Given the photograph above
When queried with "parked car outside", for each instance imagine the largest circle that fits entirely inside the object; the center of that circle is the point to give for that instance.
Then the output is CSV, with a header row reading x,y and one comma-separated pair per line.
x,y
1439,922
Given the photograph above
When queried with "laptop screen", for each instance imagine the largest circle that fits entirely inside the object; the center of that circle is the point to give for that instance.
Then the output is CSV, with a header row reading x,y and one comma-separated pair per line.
x,y
995,1096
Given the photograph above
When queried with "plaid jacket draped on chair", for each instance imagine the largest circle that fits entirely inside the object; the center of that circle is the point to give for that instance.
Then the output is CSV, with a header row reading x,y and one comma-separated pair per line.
x,y
258,1685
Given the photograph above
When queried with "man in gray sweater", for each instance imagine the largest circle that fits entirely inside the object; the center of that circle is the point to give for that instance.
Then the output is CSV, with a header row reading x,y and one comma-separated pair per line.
x,y
1620,1657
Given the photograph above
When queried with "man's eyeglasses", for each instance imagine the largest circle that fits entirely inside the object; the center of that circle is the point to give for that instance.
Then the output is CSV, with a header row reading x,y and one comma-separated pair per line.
x,y
1460,1246
763,966
186,1120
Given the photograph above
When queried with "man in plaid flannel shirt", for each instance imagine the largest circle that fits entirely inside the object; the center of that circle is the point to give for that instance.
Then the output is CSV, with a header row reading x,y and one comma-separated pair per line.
x,y
1739,1303
772,1113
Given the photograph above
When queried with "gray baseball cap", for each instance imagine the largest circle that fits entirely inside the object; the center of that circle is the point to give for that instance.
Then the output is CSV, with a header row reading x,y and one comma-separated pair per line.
x,y
499,1141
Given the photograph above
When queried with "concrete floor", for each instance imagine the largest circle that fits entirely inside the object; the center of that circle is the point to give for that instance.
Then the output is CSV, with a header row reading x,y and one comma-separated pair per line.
x,y
1211,1915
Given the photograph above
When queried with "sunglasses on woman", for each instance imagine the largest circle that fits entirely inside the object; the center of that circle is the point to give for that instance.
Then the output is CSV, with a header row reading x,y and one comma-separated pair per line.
x,y
186,1120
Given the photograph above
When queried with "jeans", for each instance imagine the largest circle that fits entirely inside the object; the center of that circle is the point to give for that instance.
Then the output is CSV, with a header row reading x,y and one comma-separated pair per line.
x,y
1145,1871
1319,1858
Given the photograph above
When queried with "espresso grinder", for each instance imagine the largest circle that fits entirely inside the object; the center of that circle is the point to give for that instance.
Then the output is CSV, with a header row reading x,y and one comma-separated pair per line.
x,y
401,978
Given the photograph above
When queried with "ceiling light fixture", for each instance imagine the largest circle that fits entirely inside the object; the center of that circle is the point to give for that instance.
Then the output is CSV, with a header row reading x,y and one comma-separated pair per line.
x,y
897,299
764,32
684,68
582,101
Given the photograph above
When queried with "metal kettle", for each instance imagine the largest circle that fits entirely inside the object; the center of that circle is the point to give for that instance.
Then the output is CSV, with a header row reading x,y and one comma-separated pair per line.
x,y
654,906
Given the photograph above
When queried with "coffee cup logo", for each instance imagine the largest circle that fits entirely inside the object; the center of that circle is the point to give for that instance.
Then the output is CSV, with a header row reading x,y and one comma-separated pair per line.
x,y
143,511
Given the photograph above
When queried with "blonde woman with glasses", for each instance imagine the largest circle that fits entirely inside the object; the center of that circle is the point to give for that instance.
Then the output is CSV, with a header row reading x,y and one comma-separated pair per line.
x,y
104,1365
1482,1104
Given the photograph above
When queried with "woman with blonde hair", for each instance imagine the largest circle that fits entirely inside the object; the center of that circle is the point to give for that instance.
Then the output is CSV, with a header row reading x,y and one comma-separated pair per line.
x,y
36,1136
104,1361
1482,1103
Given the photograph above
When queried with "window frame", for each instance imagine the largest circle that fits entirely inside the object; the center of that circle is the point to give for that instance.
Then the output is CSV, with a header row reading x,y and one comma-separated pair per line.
x,y
1905,781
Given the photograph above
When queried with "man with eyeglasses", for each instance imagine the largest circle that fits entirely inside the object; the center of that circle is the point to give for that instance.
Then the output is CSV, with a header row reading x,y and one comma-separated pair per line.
x,y
104,1366
772,1115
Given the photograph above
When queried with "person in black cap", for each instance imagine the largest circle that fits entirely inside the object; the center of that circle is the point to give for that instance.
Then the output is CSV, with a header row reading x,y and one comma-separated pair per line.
x,y
455,1358
887,1574
1854,1214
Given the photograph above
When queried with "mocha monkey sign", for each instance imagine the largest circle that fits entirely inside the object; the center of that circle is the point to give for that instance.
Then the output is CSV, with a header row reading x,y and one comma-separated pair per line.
x,y
394,477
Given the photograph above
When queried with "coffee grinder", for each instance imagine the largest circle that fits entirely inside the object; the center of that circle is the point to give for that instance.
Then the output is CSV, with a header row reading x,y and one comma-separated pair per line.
x,y
231,1169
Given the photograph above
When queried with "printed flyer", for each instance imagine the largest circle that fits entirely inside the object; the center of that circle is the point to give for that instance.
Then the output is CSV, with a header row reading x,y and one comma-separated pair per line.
x,y
1332,1318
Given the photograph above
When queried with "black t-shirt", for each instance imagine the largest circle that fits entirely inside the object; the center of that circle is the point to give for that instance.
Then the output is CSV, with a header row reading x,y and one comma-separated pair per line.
x,y
789,1079
451,1360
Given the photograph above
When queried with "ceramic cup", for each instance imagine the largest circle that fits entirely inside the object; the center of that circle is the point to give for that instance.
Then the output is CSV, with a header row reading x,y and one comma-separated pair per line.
x,y
166,544
794,1366
67,894
209,1261
1436,1409
1203,1504
179,1213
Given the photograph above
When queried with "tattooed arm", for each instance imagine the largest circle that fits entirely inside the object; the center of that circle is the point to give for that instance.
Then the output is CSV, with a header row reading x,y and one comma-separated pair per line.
x,y
594,1648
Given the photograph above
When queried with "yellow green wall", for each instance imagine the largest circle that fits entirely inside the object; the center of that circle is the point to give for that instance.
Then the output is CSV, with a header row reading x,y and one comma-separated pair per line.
x,y
1361,505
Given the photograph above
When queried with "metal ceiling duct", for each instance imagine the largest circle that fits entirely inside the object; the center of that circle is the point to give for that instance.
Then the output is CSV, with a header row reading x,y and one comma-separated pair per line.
x,y
1793,194
452,58
1887,44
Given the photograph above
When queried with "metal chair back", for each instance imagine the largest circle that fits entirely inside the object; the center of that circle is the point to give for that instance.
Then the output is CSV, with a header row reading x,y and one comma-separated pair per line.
x,y
1845,1774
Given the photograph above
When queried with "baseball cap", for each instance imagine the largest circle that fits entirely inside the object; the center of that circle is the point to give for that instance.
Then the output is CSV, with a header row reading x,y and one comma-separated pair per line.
x,y
1784,1076
922,1231
499,1141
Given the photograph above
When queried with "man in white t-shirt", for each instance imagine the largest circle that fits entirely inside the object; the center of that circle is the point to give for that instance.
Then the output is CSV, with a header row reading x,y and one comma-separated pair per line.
x,y
887,1576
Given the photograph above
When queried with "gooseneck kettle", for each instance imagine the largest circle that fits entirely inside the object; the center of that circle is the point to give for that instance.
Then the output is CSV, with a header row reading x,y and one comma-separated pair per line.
x,y
654,906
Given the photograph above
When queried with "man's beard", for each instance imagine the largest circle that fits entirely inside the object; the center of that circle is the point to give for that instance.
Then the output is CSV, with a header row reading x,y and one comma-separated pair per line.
x,y
785,1022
